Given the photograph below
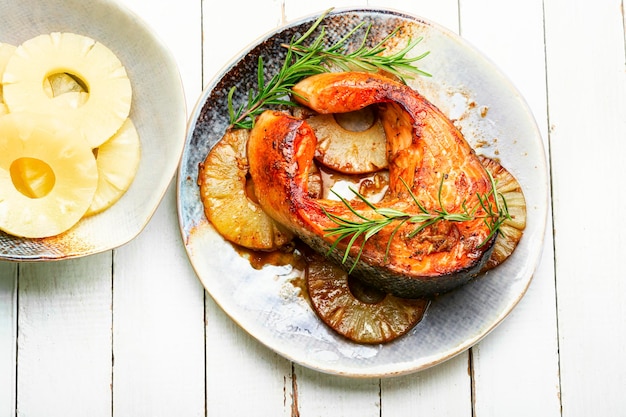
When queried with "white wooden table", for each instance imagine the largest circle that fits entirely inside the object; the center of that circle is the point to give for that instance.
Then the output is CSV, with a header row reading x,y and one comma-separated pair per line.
x,y
131,332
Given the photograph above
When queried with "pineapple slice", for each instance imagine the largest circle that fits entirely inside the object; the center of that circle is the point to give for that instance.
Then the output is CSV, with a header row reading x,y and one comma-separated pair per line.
x,y
48,176
6,51
228,205
117,160
93,64
72,100
512,229
350,143
356,311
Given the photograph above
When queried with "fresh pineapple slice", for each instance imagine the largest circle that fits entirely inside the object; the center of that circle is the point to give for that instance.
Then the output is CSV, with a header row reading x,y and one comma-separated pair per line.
x,y
48,176
117,160
228,205
61,87
72,99
95,66
6,51
356,311
512,229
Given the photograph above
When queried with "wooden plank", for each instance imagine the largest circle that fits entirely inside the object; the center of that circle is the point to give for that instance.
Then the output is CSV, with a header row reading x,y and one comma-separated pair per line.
x,y
519,359
177,25
442,391
64,338
158,303
158,326
295,9
8,334
523,351
587,102
259,18
444,12
261,379
329,395
315,393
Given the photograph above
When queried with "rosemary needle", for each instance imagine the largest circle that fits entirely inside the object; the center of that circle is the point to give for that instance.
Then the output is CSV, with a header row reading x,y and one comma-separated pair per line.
x,y
303,61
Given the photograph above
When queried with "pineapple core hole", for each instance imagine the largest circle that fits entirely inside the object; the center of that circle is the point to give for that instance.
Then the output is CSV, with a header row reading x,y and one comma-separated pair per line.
x,y
69,87
32,177
356,121
363,292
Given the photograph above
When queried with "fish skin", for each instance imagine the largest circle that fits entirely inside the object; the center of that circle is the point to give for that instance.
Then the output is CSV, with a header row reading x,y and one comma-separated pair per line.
x,y
422,146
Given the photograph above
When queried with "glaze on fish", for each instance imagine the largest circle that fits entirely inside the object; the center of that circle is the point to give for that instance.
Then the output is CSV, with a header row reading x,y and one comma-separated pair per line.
x,y
426,152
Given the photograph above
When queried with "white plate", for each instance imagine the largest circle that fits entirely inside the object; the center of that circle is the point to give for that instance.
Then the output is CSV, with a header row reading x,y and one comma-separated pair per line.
x,y
158,112
267,302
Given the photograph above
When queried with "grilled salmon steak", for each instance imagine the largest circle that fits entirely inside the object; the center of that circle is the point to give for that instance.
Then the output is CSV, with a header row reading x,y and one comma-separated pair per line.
x,y
432,169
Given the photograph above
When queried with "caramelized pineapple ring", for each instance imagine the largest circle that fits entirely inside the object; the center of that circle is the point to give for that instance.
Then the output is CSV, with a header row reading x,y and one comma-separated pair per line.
x,y
99,70
512,229
358,312
48,176
350,143
227,203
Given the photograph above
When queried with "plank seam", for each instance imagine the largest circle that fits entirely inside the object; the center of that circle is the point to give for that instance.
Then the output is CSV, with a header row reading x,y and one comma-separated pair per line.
x,y
17,323
470,371
549,156
112,332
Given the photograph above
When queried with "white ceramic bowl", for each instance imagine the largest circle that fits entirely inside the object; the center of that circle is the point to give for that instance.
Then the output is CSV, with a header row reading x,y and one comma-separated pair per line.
x,y
158,112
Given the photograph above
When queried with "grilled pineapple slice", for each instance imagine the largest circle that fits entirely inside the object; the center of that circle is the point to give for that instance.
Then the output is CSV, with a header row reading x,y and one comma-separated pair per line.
x,y
356,311
93,64
48,176
228,205
117,160
350,143
512,229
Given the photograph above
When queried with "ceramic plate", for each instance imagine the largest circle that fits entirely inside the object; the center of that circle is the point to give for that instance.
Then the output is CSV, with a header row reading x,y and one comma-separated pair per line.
x,y
268,303
157,110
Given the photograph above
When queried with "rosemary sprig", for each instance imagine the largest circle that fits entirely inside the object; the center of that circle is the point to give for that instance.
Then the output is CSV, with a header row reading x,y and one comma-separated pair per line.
x,y
364,58
494,217
303,61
